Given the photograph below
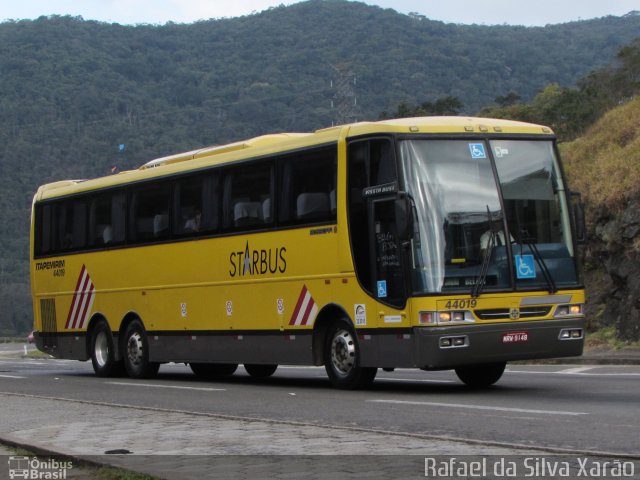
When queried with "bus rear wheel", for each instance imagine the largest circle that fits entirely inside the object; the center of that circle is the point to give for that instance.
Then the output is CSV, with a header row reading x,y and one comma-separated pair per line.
x,y
213,370
481,376
342,358
103,352
136,352
260,371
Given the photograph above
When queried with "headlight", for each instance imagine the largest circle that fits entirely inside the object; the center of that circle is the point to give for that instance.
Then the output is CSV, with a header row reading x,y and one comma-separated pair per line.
x,y
445,317
574,310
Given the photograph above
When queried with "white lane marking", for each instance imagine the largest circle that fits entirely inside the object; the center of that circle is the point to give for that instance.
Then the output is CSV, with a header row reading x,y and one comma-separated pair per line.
x,y
11,376
480,407
576,370
152,385
414,380
568,372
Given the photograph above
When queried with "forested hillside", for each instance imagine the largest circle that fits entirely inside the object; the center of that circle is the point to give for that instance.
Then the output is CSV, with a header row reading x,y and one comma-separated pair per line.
x,y
72,91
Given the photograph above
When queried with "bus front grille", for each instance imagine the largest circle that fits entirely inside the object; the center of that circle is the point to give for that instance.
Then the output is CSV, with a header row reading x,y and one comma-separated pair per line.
x,y
506,313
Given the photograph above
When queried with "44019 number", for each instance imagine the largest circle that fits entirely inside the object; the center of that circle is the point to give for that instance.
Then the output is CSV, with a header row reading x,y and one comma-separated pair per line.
x,y
461,304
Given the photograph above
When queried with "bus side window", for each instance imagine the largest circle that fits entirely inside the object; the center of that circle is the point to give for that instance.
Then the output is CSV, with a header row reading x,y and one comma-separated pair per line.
x,y
308,187
42,230
150,213
248,196
189,195
211,203
69,226
106,219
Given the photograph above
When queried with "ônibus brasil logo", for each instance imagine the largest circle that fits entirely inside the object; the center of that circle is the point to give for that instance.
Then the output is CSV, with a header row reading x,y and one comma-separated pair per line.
x,y
34,468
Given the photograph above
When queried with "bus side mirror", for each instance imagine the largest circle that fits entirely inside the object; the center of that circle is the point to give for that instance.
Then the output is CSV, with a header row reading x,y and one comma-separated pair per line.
x,y
579,218
404,217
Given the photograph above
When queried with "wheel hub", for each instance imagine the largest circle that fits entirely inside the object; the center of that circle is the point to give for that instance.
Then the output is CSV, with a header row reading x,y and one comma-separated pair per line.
x,y
134,348
343,352
101,349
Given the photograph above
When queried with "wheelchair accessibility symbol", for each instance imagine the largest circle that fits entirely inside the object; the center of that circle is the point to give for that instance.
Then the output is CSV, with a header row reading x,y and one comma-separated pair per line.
x,y
382,289
525,266
477,150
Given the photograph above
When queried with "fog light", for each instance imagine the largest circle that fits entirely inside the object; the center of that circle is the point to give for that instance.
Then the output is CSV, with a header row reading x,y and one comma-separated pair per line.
x,y
454,342
571,334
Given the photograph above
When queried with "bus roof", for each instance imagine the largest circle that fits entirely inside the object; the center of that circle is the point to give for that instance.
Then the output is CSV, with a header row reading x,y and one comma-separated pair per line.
x,y
269,144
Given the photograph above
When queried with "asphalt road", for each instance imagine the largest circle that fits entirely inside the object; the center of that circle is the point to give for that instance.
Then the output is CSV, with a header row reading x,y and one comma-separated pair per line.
x,y
580,409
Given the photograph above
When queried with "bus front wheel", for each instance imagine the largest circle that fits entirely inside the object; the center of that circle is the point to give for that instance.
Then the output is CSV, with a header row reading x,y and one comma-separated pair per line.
x,y
103,352
342,358
481,376
136,352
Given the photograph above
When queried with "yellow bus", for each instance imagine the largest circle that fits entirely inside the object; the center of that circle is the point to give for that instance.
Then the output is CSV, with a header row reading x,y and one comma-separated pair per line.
x,y
431,243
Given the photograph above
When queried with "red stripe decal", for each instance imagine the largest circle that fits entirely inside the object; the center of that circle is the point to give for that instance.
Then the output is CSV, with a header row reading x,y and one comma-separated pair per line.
x,y
307,312
75,296
298,305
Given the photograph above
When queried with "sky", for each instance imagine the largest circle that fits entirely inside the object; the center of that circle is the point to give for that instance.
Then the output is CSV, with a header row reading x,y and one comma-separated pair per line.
x,y
489,12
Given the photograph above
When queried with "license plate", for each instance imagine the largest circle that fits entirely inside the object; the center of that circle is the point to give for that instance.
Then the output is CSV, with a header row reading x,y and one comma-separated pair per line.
x,y
515,337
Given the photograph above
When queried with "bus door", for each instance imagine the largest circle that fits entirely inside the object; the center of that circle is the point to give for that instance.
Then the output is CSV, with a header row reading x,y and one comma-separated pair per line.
x,y
373,189
387,268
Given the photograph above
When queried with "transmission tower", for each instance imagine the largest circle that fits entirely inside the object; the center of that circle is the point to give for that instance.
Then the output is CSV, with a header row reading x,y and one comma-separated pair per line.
x,y
344,101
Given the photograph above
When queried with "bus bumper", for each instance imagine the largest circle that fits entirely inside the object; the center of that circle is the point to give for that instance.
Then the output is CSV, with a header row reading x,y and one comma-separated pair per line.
x,y
448,347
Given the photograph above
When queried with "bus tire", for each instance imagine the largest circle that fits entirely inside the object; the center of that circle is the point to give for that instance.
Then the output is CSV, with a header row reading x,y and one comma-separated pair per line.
x,y
481,376
136,352
103,352
213,370
260,371
342,358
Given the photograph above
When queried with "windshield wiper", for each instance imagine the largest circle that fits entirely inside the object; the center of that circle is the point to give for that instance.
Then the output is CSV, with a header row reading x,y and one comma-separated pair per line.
x,y
486,257
533,248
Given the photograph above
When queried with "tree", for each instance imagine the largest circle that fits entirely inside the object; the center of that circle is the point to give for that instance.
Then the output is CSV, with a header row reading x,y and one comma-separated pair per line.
x,y
441,107
510,98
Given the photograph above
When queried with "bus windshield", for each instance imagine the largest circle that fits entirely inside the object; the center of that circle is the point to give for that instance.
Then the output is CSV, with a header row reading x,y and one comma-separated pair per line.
x,y
465,238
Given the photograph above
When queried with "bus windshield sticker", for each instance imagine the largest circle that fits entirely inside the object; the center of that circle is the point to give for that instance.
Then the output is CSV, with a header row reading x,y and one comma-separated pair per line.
x,y
380,190
525,266
477,150
382,289
501,152
360,313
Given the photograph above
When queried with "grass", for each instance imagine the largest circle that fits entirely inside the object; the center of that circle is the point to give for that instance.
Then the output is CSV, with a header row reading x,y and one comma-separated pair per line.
x,y
606,338
37,354
604,164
